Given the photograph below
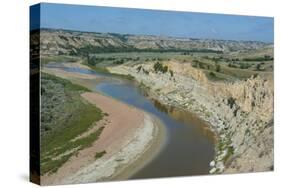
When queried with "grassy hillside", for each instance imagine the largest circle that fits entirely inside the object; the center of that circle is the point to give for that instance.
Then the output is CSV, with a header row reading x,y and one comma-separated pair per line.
x,y
64,116
58,58
221,60
217,67
56,42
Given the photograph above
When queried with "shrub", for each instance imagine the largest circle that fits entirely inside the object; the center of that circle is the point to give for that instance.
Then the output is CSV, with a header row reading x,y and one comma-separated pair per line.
x,y
158,67
61,111
264,58
100,154
171,73
194,65
212,74
145,71
201,65
232,65
255,75
92,60
198,64
164,69
218,68
258,67
244,65
119,62
139,68
231,102
230,152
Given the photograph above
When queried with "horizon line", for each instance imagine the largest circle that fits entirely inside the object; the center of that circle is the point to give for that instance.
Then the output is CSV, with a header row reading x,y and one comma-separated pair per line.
x,y
165,36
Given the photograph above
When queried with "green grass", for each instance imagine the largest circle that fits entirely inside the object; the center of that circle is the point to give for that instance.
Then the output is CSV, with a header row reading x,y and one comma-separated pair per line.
x,y
96,68
208,62
57,58
102,69
233,67
128,76
109,59
225,145
68,116
230,152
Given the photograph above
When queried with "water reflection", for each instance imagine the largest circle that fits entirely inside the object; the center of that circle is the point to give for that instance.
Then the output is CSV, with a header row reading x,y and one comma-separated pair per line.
x,y
186,118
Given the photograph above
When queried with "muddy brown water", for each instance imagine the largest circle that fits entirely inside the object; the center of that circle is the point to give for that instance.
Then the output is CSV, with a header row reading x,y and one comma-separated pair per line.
x,y
190,145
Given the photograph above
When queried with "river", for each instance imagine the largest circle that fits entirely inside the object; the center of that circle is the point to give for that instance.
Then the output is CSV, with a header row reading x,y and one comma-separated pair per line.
x,y
190,144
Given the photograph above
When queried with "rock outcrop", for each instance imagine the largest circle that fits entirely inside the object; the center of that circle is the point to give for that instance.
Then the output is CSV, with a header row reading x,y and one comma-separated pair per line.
x,y
56,42
240,112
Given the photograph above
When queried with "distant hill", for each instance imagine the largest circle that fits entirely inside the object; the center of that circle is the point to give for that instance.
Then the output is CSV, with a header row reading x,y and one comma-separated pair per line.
x,y
55,41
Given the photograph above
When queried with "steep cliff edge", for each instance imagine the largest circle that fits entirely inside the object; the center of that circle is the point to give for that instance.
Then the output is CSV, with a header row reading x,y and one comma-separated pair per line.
x,y
240,112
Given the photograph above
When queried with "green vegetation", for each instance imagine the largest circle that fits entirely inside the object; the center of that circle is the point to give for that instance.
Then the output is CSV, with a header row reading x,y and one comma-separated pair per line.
x,y
233,65
158,67
226,67
171,73
103,69
230,68
145,71
58,58
218,68
139,68
64,116
96,68
258,67
119,62
100,154
212,74
231,102
244,65
128,76
95,60
236,61
83,51
230,152
264,58
225,145
216,76
198,64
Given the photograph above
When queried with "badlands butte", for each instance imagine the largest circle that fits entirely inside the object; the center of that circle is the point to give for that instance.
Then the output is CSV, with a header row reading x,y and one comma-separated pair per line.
x,y
228,84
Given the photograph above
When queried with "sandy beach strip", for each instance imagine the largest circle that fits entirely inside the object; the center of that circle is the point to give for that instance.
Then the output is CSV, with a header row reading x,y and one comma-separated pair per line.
x,y
66,74
87,80
130,138
128,132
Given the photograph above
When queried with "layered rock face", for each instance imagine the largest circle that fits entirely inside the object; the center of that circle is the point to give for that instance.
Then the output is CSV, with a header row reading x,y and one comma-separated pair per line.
x,y
240,112
55,42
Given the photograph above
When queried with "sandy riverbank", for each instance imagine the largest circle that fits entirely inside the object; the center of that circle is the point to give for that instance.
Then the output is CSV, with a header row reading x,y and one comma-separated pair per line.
x,y
131,138
86,80
67,75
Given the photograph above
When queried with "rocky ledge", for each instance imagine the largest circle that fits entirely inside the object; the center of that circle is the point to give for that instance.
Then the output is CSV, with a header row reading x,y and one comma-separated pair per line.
x,y
239,112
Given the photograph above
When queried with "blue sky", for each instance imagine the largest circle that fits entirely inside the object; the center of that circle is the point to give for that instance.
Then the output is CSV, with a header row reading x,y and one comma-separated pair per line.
x,y
155,22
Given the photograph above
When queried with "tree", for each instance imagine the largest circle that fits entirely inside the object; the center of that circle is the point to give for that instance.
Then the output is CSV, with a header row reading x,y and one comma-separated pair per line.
x,y
91,60
212,74
218,68
258,68
171,73
158,67
139,68
165,69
